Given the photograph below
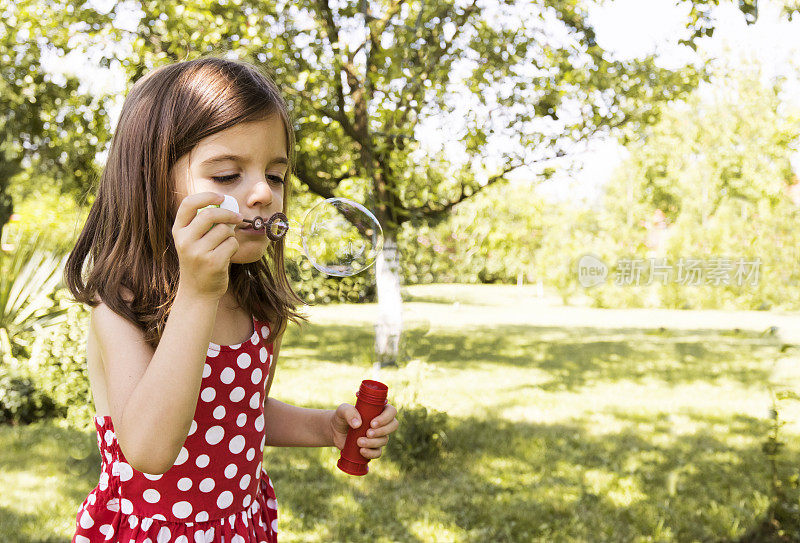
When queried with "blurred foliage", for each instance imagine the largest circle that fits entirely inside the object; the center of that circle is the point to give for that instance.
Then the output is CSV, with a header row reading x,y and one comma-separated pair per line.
x,y
57,363
316,288
419,442
49,123
718,171
53,217
22,401
28,276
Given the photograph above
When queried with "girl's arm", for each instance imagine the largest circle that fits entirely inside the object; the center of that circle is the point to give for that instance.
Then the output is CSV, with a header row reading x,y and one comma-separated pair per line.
x,y
292,426
152,394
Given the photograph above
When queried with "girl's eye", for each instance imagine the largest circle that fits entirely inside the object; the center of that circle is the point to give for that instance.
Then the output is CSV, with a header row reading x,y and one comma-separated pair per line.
x,y
233,177
225,178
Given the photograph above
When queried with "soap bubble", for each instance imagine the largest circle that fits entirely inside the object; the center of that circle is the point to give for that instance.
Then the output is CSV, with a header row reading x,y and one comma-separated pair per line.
x,y
341,237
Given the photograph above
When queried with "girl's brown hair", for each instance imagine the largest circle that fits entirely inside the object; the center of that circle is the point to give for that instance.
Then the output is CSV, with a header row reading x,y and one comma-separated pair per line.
x,y
128,232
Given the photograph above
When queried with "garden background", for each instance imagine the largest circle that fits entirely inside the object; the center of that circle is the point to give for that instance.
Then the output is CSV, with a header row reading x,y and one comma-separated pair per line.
x,y
660,404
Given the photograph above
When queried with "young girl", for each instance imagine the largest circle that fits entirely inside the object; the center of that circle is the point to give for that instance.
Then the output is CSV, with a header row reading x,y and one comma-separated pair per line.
x,y
188,313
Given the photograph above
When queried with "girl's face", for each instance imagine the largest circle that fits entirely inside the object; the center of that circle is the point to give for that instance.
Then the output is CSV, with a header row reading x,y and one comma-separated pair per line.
x,y
247,161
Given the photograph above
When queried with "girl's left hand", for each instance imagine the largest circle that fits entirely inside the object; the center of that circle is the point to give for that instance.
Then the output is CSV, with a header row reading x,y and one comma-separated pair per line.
x,y
377,436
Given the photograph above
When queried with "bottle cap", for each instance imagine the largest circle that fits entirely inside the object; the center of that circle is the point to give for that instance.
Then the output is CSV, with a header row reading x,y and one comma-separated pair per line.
x,y
373,392
230,204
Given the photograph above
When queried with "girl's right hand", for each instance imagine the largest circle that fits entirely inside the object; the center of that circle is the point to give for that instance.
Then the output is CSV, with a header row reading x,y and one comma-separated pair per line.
x,y
205,244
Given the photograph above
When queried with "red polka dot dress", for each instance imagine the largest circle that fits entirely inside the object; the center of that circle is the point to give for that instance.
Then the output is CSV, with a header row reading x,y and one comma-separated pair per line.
x,y
217,490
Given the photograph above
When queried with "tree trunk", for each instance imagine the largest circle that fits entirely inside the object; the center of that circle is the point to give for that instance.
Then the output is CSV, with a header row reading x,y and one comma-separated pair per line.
x,y
389,325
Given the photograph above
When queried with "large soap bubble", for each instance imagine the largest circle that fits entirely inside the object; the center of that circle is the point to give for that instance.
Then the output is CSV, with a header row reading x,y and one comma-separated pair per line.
x,y
339,237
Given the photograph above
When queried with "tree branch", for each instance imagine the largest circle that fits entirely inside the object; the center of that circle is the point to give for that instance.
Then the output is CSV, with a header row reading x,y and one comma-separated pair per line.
x,y
413,86
312,180
332,33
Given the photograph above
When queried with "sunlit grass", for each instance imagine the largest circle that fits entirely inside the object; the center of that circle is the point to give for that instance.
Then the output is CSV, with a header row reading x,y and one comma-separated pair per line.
x,y
559,433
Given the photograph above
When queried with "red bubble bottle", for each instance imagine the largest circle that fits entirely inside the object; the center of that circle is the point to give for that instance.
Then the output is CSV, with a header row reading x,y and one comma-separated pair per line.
x,y
370,403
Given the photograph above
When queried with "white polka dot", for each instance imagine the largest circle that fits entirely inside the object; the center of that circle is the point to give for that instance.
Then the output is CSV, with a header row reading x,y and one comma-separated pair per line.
x,y
227,376
193,427
202,461
237,539
103,482
182,509
126,506
265,332
230,471
208,394
212,352
259,422
219,412
82,539
225,500
243,360
236,444
185,483
109,437
254,340
255,400
245,482
183,538
234,347
159,516
206,485
237,394
262,354
275,525
86,521
241,420
124,470
263,442
163,535
153,477
251,453
151,495
246,500
146,523
202,516
271,504
91,499
182,457
256,376
107,530
200,537
206,370
133,520
214,435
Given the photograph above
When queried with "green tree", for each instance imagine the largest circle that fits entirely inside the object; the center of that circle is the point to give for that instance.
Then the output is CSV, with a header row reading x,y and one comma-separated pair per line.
x,y
719,169
49,126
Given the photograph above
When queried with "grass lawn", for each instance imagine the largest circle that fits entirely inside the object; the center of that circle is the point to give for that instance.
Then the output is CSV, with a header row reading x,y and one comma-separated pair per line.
x,y
566,424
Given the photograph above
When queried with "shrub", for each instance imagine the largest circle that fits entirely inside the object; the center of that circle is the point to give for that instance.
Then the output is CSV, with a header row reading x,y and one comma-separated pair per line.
x,y
21,402
57,365
315,288
420,440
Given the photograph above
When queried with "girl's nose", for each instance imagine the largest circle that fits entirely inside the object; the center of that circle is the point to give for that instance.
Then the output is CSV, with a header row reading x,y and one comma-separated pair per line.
x,y
261,194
